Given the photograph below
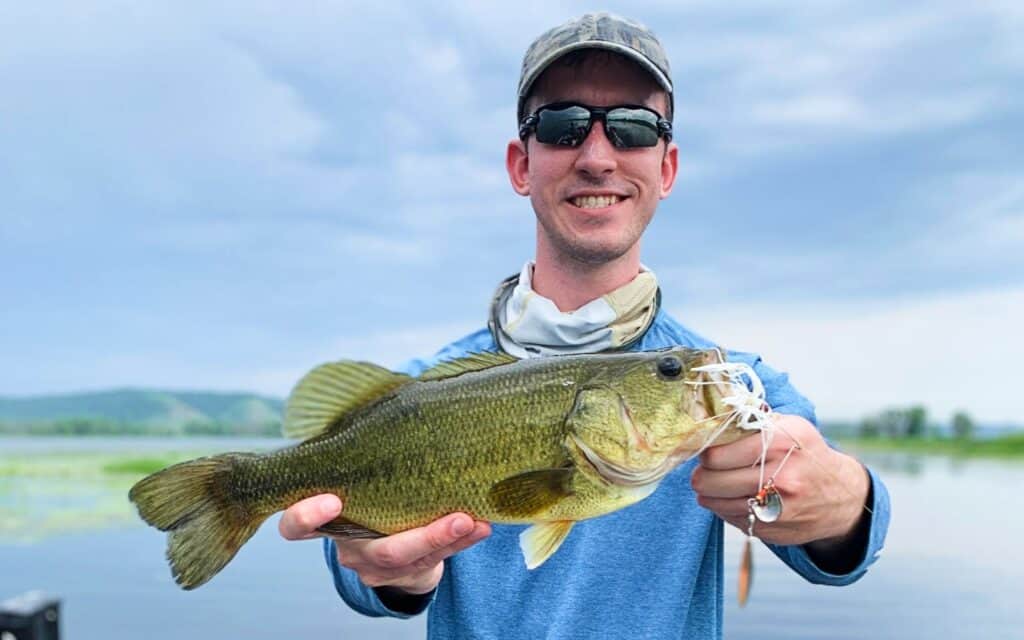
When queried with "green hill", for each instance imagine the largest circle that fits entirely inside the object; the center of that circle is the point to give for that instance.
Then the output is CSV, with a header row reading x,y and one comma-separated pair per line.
x,y
141,411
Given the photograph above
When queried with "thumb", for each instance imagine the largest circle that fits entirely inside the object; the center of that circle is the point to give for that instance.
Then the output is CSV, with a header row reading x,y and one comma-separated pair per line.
x,y
300,521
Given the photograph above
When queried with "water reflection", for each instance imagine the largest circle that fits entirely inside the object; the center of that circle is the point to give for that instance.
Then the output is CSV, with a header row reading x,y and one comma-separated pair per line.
x,y
897,462
951,568
54,486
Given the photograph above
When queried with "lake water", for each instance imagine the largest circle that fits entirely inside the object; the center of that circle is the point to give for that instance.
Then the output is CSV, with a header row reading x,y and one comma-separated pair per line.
x,y
952,567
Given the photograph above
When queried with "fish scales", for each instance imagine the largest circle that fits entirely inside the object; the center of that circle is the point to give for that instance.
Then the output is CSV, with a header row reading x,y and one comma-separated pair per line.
x,y
396,468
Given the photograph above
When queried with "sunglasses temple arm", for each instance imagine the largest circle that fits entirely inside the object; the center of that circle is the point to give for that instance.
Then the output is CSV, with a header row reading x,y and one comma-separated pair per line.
x,y
527,126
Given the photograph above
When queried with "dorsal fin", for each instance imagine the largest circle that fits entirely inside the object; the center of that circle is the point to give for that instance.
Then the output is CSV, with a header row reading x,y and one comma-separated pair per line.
x,y
471,362
332,390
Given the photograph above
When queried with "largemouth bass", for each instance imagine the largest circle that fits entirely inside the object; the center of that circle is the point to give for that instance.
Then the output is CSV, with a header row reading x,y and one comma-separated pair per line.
x,y
545,441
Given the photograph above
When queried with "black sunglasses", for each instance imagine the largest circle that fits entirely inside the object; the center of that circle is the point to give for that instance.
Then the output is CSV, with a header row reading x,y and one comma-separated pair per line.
x,y
568,124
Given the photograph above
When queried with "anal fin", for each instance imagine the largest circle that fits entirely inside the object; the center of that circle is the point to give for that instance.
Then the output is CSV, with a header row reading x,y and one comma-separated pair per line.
x,y
541,540
345,528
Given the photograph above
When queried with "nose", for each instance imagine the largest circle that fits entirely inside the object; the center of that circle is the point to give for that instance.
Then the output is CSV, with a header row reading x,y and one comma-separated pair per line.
x,y
596,155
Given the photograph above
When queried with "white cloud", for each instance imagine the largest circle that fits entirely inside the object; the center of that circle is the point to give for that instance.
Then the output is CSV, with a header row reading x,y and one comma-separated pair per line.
x,y
391,349
152,149
438,59
851,115
979,218
835,75
394,347
952,352
390,249
145,106
813,110
425,177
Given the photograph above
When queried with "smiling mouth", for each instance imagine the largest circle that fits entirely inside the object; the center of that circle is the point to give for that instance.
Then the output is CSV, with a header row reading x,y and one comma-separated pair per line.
x,y
595,202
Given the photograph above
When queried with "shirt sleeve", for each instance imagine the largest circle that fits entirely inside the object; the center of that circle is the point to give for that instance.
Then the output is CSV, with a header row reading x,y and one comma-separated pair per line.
x,y
360,597
784,398
796,556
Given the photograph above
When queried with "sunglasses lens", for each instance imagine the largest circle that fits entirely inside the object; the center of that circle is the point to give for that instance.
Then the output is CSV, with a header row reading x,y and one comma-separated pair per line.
x,y
628,128
567,126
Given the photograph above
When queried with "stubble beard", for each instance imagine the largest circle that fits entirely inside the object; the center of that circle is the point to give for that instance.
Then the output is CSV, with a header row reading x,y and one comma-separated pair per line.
x,y
592,253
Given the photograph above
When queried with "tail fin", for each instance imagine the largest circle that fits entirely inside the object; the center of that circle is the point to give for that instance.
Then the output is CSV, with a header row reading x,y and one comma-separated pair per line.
x,y
206,524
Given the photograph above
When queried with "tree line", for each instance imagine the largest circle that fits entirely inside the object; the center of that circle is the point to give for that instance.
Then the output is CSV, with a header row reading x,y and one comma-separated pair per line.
x,y
912,422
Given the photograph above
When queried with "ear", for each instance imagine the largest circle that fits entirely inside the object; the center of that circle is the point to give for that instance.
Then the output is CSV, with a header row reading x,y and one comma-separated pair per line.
x,y
517,163
669,169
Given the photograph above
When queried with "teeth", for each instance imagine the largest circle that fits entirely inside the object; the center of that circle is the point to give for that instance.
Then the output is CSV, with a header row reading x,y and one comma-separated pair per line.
x,y
595,202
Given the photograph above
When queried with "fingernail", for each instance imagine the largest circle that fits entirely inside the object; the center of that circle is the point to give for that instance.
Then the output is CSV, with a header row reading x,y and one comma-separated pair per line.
x,y
330,506
460,527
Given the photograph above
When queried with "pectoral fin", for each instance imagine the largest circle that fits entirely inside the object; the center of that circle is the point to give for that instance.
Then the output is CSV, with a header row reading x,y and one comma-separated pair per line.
x,y
541,540
530,493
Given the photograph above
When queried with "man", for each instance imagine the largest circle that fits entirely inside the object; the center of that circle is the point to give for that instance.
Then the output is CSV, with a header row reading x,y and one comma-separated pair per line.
x,y
595,156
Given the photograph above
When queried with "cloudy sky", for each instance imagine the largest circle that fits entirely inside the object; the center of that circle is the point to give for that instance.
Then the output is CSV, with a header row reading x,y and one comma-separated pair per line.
x,y
197,197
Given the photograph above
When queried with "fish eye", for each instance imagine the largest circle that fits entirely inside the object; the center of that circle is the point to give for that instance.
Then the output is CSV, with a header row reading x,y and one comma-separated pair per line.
x,y
669,366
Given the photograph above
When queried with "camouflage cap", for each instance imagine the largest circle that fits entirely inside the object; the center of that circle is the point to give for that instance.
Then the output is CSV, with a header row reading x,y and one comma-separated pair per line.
x,y
594,31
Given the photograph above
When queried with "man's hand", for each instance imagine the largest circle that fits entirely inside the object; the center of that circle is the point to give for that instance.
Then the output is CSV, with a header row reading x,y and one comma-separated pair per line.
x,y
823,491
411,561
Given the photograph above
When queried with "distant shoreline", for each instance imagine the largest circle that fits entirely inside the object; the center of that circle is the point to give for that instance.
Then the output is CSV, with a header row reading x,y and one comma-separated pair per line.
x,y
1010,446
168,435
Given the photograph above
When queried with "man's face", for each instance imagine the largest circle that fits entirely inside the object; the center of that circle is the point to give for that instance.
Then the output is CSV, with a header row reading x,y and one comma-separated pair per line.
x,y
593,201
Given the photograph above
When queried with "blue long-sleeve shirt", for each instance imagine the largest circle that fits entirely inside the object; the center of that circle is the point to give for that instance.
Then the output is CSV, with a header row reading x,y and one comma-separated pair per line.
x,y
651,570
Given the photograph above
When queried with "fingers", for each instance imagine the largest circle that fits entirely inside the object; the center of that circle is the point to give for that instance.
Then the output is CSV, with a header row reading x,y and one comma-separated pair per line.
x,y
411,559
729,475
424,547
808,479
741,454
300,521
733,483
480,531
747,451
